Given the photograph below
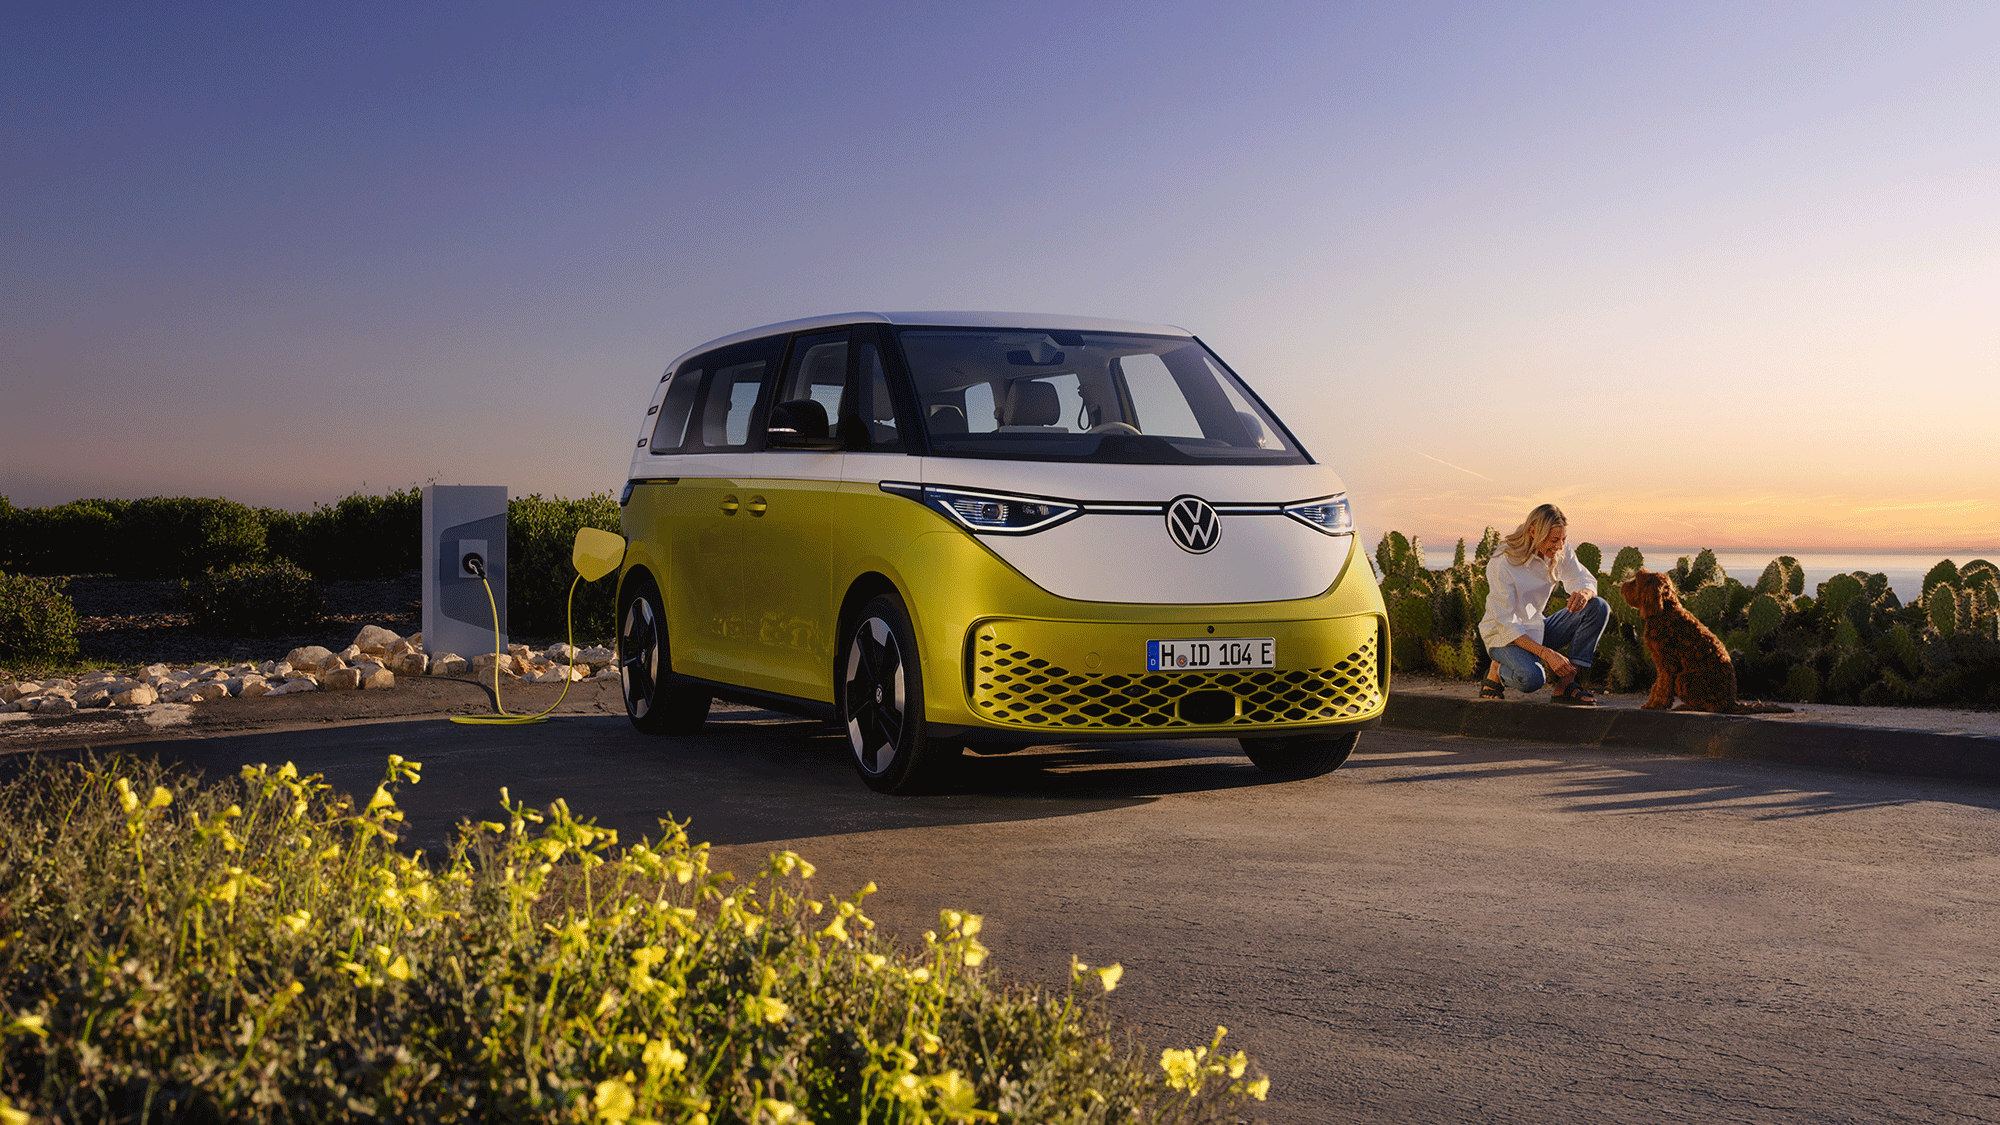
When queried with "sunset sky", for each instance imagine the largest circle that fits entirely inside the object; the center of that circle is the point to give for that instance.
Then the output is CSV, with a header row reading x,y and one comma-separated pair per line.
x,y
1705,274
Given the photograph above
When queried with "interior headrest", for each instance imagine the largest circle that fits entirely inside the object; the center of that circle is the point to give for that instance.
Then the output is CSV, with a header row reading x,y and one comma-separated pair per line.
x,y
1031,403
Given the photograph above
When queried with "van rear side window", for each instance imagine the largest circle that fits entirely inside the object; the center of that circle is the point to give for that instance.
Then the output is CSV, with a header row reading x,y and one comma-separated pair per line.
x,y
670,432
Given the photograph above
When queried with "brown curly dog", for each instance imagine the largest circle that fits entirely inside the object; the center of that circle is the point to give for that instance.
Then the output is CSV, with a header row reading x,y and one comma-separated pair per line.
x,y
1688,660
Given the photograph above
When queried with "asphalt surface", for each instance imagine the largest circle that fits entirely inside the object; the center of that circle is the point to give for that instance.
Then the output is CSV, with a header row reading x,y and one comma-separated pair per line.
x,y
1449,928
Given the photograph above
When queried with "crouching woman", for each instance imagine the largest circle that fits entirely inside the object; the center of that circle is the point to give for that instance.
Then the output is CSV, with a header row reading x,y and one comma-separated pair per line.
x,y
1519,637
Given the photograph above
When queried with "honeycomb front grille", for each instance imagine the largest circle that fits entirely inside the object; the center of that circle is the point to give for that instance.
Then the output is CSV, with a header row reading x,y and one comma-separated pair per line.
x,y
1012,685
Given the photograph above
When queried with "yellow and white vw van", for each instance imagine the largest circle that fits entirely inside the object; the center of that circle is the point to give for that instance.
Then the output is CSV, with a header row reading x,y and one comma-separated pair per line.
x,y
956,530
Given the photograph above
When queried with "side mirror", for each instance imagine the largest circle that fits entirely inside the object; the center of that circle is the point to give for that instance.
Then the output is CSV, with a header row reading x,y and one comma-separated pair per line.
x,y
799,424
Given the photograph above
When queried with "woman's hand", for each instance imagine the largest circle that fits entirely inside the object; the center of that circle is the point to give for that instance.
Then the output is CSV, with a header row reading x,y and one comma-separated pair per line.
x,y
1577,601
1559,664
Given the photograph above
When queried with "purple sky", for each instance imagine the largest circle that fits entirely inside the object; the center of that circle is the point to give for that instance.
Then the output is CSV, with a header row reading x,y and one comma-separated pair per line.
x,y
1702,273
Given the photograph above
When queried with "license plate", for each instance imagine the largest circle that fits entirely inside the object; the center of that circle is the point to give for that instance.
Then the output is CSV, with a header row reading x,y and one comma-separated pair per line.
x,y
1211,652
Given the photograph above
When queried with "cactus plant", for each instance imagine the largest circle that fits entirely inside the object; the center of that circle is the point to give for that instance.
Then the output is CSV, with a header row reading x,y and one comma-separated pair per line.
x,y
1945,572
1766,613
1458,661
1836,594
1410,625
1783,578
1897,649
1488,544
1707,605
1941,606
1802,684
1590,556
1628,563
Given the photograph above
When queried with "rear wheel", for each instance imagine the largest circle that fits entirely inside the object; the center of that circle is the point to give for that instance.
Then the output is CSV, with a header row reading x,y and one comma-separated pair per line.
x,y
882,703
1303,756
657,701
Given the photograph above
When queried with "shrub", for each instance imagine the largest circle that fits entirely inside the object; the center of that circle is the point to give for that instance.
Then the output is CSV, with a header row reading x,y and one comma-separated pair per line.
x,y
37,620
358,536
80,537
258,950
540,534
270,599
182,536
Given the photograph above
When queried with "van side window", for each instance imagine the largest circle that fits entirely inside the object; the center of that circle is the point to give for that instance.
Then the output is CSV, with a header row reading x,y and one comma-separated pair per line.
x,y
671,430
818,372
727,407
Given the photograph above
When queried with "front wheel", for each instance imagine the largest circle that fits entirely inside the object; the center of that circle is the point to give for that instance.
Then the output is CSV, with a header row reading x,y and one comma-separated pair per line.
x,y
657,701
1304,756
882,702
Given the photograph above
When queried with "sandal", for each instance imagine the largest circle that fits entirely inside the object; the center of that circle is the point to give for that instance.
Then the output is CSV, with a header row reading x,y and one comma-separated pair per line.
x,y
1491,689
1576,696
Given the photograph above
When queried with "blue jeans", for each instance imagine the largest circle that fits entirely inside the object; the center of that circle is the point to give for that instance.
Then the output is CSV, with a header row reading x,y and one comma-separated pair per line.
x,y
1573,634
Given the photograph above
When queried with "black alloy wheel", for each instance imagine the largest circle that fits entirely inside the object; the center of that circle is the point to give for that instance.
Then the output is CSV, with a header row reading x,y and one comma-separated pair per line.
x,y
657,701
882,703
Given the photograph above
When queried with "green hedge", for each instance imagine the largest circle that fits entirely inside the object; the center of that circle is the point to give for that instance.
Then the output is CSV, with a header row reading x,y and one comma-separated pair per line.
x,y
1851,641
37,620
540,536
271,599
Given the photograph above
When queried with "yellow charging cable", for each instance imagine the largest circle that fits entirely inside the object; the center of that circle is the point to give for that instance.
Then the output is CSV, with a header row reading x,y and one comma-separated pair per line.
x,y
595,554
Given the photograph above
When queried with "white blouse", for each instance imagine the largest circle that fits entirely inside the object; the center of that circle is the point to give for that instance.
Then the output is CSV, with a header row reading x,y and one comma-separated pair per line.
x,y
1515,595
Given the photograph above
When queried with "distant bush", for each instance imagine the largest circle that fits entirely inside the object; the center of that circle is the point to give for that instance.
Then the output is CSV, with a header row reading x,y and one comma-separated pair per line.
x,y
540,536
183,536
356,537
259,599
258,950
37,620
80,537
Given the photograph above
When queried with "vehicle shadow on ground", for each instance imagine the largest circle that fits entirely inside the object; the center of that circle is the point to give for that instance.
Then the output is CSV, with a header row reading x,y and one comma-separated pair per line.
x,y
747,777
1598,780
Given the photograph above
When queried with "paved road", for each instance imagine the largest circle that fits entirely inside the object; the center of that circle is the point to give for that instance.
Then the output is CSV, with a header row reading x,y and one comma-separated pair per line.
x,y
1445,930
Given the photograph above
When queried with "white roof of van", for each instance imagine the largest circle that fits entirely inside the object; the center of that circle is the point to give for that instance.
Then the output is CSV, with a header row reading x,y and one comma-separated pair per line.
x,y
1056,321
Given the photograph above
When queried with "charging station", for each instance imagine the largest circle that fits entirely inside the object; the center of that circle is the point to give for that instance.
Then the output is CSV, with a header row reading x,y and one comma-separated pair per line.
x,y
465,531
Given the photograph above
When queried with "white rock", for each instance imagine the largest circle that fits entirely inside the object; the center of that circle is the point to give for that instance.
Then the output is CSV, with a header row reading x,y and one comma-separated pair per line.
x,y
11,692
351,653
238,684
596,654
381,679
341,679
375,640
94,695
293,687
252,688
310,658
448,664
608,672
56,705
64,686
407,663
554,674
141,695
203,692
485,661
155,670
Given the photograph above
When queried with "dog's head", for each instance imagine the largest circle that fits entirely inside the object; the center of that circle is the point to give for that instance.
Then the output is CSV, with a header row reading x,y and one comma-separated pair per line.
x,y
1650,593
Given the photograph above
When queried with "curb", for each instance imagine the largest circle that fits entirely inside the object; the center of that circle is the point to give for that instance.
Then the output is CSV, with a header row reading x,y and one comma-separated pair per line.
x,y
1958,757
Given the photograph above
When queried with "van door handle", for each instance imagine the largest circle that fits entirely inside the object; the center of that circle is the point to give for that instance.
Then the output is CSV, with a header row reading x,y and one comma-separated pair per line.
x,y
730,504
757,506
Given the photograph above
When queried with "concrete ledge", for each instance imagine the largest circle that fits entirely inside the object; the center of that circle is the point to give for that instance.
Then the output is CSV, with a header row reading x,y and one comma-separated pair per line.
x,y
1958,757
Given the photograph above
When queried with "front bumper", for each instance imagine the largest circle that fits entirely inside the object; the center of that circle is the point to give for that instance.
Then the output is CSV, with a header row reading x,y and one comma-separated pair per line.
x,y
1090,679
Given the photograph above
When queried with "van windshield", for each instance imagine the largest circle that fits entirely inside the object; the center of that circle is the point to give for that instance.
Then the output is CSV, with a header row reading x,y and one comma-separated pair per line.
x,y
1039,395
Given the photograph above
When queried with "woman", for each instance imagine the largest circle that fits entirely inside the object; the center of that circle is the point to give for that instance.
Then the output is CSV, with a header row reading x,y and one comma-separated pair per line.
x,y
1519,579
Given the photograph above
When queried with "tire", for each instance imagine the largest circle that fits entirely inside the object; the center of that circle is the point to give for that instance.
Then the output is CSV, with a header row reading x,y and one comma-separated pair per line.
x,y
1303,756
656,700
882,703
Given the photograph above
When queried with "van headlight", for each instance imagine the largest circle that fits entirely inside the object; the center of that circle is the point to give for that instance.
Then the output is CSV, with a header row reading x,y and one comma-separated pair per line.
x,y
1328,514
992,513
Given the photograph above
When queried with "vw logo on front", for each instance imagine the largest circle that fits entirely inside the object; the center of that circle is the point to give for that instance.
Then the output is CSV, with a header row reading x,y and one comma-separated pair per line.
x,y
1193,525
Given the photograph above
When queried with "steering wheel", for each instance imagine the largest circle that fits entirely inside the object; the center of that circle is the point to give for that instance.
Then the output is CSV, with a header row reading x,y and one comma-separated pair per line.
x,y
1112,428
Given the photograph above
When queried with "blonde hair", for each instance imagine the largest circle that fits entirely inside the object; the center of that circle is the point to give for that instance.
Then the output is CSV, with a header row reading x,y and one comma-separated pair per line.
x,y
1533,532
